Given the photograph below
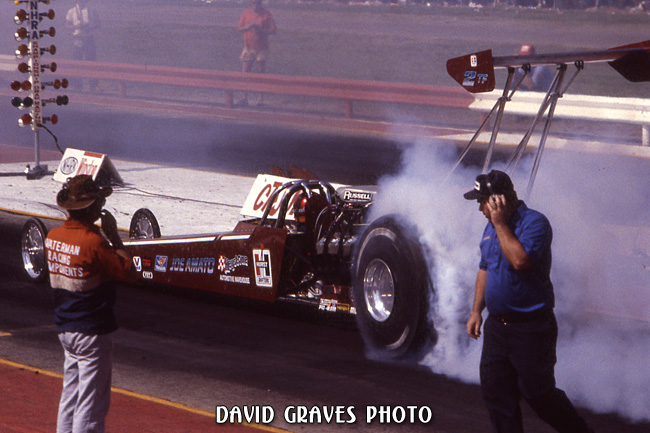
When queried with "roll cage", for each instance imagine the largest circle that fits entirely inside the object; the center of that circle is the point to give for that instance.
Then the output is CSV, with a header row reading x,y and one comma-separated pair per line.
x,y
289,189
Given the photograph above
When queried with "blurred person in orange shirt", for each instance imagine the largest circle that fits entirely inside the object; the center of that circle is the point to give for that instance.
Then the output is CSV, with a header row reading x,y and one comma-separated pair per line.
x,y
256,23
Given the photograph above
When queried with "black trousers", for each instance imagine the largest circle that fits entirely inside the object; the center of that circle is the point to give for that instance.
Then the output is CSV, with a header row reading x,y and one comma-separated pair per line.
x,y
518,360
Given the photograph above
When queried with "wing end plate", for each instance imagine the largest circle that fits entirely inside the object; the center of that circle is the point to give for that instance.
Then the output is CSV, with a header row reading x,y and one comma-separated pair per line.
x,y
475,72
635,65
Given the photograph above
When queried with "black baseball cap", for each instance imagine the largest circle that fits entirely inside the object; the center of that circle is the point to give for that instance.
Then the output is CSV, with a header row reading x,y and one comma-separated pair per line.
x,y
495,182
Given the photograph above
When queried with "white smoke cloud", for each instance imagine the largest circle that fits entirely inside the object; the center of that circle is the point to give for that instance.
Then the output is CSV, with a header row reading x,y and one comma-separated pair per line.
x,y
601,269
597,205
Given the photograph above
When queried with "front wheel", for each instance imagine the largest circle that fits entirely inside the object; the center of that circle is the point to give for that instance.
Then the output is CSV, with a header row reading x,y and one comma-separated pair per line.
x,y
390,288
144,225
32,246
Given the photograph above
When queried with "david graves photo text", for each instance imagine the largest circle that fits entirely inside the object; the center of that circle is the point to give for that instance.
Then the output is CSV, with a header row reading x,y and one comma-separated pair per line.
x,y
257,414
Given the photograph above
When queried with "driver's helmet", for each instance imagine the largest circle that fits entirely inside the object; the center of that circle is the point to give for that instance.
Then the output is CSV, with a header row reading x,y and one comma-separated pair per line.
x,y
300,208
306,209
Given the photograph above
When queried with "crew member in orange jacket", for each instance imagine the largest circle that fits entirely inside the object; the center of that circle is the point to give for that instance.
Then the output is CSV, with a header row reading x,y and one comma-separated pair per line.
x,y
83,266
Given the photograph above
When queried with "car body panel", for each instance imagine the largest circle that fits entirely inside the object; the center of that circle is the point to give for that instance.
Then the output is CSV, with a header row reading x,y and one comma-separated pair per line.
x,y
245,262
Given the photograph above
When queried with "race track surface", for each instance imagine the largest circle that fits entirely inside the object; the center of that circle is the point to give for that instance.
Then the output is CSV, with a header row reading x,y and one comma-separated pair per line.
x,y
199,351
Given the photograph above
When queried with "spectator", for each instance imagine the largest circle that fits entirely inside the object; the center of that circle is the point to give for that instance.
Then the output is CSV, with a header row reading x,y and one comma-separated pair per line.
x,y
84,22
256,23
539,78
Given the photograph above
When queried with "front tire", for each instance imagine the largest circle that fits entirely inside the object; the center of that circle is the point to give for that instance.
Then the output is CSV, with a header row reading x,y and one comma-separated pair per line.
x,y
390,288
144,225
32,247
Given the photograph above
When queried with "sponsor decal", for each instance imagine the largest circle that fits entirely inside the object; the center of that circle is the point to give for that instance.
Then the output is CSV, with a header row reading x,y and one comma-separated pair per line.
x,y
194,265
359,196
472,77
89,164
259,197
262,200
147,264
262,264
234,279
328,305
59,258
62,247
69,165
228,266
147,275
137,263
343,308
161,264
334,306
75,162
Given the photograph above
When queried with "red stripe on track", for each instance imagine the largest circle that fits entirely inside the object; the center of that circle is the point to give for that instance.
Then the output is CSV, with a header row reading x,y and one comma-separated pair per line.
x,y
29,402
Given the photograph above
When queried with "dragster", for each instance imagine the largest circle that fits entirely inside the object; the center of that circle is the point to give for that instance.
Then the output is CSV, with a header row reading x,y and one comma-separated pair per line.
x,y
315,243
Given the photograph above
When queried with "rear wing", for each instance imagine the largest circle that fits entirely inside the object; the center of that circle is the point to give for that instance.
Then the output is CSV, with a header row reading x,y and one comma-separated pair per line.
x,y
475,73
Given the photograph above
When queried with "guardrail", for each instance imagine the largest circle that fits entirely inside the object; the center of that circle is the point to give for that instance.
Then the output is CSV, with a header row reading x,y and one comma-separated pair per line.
x,y
348,91
595,108
634,111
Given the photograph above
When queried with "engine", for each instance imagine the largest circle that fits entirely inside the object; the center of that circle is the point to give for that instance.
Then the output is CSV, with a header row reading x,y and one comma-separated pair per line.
x,y
325,223
340,224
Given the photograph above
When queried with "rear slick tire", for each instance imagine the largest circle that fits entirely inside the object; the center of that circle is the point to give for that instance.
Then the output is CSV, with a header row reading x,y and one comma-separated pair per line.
x,y
391,291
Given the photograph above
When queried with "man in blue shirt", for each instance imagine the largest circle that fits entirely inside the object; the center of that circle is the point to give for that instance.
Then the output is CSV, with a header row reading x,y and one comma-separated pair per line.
x,y
520,333
539,78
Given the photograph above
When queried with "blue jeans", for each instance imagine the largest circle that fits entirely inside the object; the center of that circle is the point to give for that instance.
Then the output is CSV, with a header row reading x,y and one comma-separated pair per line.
x,y
86,394
518,360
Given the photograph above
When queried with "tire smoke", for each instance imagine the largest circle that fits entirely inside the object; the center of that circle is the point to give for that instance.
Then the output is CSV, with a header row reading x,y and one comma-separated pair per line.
x,y
597,205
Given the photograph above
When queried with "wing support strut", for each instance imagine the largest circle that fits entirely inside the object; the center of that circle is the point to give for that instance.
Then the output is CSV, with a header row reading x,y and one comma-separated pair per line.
x,y
555,92
475,73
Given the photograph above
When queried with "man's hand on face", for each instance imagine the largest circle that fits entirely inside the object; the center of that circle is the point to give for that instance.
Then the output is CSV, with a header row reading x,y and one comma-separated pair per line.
x,y
498,209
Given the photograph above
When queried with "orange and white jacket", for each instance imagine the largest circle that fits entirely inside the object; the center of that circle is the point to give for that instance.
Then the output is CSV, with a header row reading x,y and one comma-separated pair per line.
x,y
83,267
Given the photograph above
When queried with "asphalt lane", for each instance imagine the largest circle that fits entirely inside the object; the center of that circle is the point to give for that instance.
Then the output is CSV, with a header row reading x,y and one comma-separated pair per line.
x,y
203,351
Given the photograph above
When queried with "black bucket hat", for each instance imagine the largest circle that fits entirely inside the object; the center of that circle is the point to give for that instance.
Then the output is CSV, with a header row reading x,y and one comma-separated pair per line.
x,y
79,192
